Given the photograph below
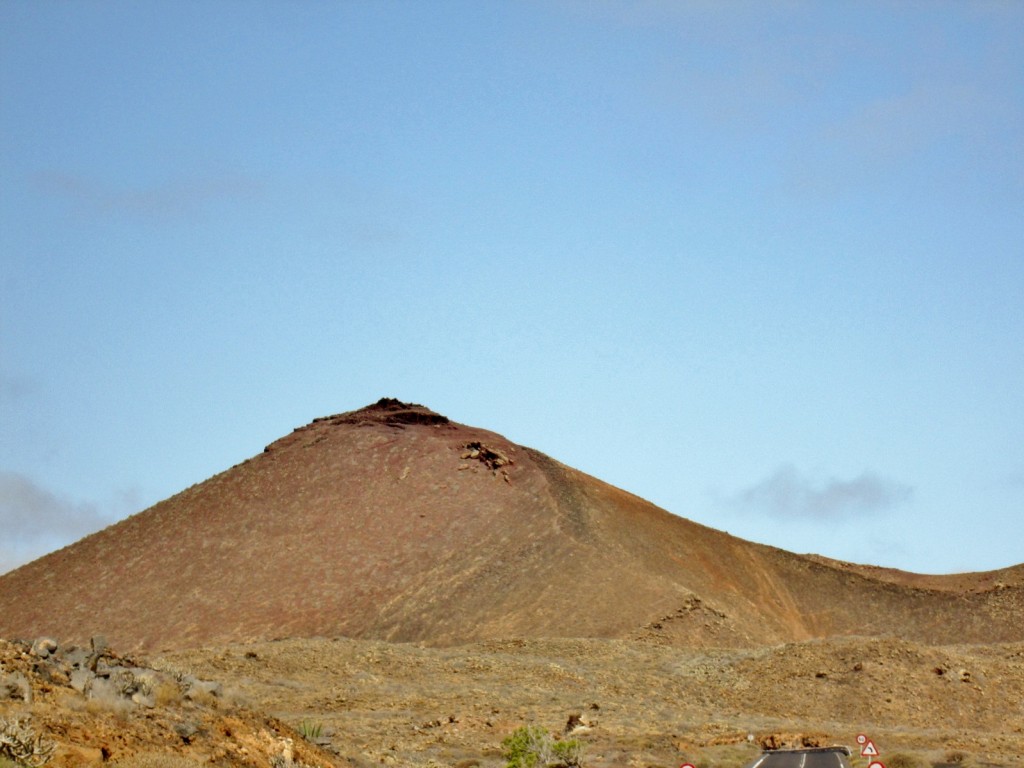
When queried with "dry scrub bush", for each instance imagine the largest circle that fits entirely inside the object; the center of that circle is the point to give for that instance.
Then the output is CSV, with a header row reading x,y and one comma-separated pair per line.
x,y
203,698
156,760
905,760
21,745
279,761
166,692
111,705
960,758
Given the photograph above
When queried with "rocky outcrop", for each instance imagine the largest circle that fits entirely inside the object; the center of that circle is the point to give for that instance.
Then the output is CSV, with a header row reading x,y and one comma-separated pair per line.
x,y
97,673
69,705
389,411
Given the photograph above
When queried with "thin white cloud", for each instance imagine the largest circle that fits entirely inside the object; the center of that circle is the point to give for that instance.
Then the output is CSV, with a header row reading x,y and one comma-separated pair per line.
x,y
15,388
788,494
888,135
175,197
36,521
712,15
846,108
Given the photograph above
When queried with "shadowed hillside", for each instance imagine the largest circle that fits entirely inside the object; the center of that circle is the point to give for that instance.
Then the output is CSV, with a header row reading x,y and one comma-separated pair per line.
x,y
394,523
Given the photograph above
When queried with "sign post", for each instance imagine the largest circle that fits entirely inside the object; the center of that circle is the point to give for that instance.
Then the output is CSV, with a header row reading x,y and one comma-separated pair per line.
x,y
868,749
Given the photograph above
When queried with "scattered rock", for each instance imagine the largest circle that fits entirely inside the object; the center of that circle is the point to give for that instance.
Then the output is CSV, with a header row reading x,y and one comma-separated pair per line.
x,y
104,690
81,679
196,688
75,657
100,675
15,686
43,647
576,723
186,731
774,741
93,706
491,458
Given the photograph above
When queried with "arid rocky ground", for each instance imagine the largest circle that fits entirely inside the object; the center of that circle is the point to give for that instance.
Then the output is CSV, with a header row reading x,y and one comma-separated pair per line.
x,y
642,704
636,703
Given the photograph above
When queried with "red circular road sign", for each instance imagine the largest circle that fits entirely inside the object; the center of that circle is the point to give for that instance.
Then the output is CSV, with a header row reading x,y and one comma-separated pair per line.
x,y
691,765
876,764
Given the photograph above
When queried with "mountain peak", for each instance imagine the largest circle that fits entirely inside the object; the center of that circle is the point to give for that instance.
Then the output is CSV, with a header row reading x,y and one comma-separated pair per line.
x,y
387,410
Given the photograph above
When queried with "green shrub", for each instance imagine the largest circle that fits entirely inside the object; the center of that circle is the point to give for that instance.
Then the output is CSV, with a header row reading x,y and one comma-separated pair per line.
x,y
568,752
532,747
310,730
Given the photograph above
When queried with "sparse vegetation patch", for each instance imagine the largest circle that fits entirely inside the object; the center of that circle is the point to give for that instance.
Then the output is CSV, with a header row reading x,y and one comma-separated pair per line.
x,y
533,747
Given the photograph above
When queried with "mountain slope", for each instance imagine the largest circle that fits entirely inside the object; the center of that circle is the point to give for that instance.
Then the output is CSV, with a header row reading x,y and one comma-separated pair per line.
x,y
394,523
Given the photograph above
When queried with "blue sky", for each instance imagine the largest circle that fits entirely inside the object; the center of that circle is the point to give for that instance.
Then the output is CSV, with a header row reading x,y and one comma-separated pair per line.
x,y
762,264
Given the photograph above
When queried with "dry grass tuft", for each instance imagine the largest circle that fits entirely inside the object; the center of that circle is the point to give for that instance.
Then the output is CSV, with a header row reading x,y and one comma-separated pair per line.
x,y
166,693
905,760
960,758
118,707
156,760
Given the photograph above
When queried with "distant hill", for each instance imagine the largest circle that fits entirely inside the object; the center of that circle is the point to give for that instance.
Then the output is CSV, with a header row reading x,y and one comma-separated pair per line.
x,y
394,523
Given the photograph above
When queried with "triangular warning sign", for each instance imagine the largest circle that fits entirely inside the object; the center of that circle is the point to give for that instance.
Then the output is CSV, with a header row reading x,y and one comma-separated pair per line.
x,y
870,750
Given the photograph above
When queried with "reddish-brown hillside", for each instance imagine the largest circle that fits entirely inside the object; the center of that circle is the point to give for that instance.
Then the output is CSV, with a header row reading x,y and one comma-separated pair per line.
x,y
394,523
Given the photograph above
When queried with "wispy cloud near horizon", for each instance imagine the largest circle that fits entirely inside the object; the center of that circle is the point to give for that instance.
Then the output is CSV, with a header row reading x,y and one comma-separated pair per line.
x,y
14,388
35,520
790,494
171,198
